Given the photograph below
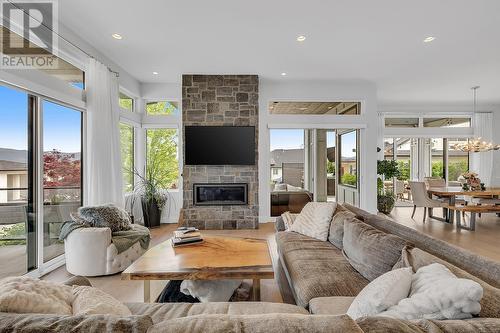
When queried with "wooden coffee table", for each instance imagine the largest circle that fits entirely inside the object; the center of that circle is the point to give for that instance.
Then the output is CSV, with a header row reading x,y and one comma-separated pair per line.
x,y
217,258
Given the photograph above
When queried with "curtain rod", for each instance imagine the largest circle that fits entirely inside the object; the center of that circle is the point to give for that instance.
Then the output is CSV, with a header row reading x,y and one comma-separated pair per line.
x,y
63,38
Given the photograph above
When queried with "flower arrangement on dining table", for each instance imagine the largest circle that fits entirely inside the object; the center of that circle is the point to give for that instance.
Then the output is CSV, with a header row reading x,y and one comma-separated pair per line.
x,y
470,182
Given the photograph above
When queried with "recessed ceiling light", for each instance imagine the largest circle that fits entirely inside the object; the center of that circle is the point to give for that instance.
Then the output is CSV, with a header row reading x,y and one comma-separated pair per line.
x,y
429,39
116,36
301,38
283,74
155,73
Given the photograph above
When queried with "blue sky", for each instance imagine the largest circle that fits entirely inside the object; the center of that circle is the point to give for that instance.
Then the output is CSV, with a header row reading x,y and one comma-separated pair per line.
x,y
61,124
294,139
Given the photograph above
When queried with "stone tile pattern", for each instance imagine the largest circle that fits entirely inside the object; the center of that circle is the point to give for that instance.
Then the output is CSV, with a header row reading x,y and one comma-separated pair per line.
x,y
221,100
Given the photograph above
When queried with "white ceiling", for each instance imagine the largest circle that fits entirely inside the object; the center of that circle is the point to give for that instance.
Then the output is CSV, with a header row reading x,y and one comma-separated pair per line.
x,y
380,41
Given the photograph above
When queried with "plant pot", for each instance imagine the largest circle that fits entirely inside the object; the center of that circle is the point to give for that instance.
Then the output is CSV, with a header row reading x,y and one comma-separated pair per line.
x,y
151,213
385,203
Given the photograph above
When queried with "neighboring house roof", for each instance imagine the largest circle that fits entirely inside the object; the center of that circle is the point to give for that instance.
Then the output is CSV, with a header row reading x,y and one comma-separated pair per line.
x,y
280,156
12,166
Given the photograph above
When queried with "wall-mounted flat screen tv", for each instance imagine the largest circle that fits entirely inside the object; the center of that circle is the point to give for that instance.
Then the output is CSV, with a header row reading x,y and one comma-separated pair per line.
x,y
219,145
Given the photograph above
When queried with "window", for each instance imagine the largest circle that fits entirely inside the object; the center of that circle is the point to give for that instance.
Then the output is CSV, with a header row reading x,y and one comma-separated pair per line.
x,y
287,157
401,122
447,122
62,173
162,108
348,159
388,148
437,157
458,161
127,152
59,68
319,108
126,102
162,162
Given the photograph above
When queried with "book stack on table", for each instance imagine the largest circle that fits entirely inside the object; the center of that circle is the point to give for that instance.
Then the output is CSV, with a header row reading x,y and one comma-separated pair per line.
x,y
185,236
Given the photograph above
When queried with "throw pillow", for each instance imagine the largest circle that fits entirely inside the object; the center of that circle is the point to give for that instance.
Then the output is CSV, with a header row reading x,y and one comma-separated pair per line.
x,y
104,216
291,188
336,233
314,220
436,293
288,219
380,294
417,258
28,295
90,301
370,251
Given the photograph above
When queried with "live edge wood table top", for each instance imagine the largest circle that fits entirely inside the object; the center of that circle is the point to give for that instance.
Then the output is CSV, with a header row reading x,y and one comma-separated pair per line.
x,y
456,190
217,258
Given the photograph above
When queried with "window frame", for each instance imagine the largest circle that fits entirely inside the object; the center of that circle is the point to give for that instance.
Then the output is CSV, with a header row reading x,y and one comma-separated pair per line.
x,y
339,143
128,95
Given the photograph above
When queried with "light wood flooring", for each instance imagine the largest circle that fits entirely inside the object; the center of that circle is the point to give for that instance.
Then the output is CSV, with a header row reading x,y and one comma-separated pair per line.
x,y
485,240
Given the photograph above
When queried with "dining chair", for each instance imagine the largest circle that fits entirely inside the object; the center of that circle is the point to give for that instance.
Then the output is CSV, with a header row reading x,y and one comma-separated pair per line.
x,y
421,198
435,182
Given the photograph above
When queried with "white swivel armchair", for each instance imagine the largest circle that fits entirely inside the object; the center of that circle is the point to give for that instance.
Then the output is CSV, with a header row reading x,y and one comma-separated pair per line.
x,y
90,252
421,198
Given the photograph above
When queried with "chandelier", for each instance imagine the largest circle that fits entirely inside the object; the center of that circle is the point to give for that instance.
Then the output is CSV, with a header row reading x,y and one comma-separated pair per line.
x,y
475,145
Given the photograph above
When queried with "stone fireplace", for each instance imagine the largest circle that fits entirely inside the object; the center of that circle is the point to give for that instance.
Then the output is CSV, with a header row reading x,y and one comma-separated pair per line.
x,y
221,196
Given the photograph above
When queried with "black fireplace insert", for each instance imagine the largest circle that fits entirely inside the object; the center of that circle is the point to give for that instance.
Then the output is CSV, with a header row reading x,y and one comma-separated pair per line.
x,y
220,194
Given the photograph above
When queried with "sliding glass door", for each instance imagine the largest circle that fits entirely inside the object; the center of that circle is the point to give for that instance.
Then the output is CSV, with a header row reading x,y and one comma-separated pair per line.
x,y
17,223
62,172
40,178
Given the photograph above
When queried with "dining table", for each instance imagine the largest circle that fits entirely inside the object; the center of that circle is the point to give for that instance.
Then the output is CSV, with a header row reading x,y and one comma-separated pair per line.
x,y
451,193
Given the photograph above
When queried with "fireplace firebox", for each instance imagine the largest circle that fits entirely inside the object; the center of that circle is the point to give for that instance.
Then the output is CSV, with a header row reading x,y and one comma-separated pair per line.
x,y
220,194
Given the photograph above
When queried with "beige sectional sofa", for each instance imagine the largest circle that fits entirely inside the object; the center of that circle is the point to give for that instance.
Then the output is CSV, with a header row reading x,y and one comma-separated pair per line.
x,y
322,279
324,283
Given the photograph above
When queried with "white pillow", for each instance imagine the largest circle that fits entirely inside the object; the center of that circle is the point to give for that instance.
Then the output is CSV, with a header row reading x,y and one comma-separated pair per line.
x,y
314,220
288,219
436,293
28,295
90,300
380,294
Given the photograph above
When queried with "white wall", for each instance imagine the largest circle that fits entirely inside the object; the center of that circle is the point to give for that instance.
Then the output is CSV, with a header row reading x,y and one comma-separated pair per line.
x,y
320,91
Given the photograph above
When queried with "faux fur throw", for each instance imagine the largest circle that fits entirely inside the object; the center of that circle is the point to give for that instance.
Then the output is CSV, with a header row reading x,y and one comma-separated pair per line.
x,y
109,216
28,295
210,291
436,293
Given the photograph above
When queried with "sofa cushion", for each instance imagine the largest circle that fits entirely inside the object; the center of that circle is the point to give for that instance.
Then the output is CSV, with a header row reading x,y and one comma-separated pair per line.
x,y
335,306
336,233
316,268
276,323
490,303
11,322
370,251
390,325
383,292
90,300
314,220
166,311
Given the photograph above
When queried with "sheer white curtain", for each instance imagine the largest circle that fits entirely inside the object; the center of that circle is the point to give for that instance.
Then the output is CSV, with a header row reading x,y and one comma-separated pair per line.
x,y
482,163
103,161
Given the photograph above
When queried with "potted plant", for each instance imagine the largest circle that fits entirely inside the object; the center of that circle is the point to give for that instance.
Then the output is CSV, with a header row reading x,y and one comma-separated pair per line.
x,y
152,189
385,198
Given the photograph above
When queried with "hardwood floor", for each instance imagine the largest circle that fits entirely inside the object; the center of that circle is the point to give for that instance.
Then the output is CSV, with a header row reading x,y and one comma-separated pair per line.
x,y
485,240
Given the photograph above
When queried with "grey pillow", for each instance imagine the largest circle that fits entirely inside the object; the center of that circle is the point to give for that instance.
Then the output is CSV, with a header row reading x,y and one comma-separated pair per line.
x,y
104,216
337,227
370,251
